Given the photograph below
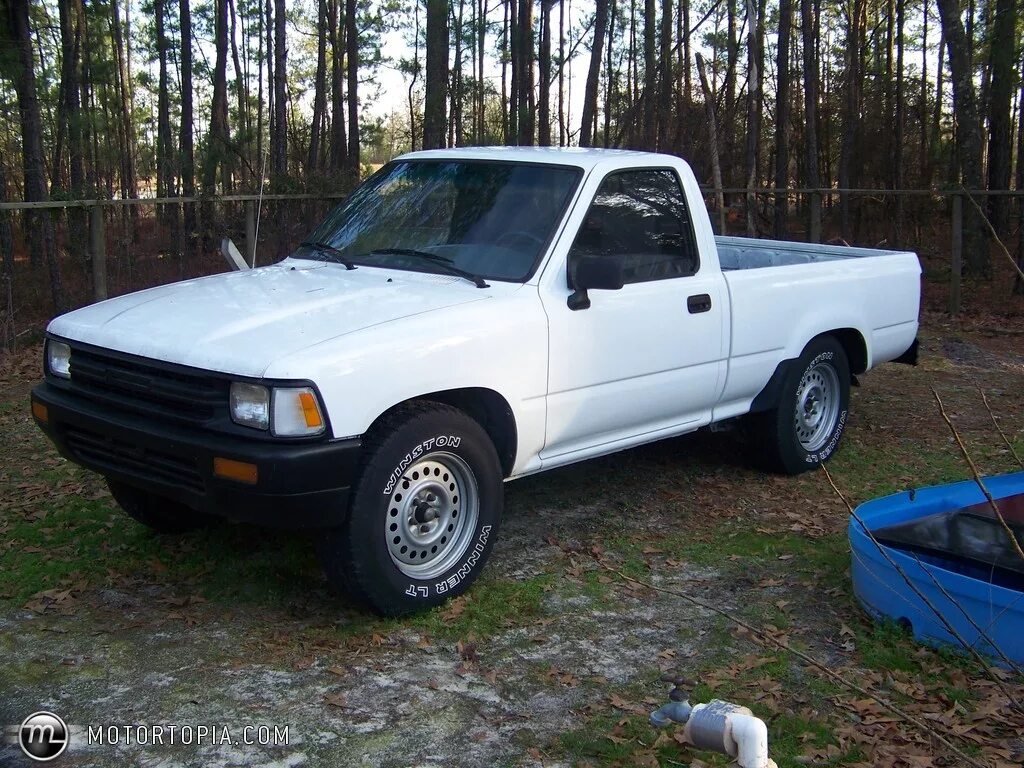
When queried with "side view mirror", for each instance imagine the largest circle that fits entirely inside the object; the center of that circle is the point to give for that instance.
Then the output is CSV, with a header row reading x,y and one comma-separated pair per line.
x,y
593,273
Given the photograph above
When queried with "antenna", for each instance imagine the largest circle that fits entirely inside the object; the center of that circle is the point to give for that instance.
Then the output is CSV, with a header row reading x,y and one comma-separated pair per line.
x,y
259,206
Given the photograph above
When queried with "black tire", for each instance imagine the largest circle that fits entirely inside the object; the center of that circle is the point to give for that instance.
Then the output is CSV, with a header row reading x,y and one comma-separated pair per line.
x,y
156,512
780,431
369,556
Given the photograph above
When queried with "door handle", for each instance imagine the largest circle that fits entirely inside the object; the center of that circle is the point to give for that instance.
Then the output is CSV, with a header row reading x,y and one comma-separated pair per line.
x,y
699,303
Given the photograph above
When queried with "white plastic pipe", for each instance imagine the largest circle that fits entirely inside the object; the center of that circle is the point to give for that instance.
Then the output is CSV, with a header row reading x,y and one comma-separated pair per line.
x,y
748,738
731,729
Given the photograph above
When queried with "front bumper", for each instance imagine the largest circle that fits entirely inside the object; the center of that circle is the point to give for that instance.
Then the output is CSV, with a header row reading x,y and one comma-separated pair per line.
x,y
298,485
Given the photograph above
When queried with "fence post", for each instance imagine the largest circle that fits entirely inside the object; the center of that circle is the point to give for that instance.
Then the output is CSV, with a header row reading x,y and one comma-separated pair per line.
x,y
815,233
956,266
98,252
250,232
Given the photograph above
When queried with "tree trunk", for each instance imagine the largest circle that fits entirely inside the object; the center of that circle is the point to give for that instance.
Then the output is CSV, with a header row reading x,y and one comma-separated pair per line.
x,y
1018,283
512,136
650,111
716,166
525,100
339,139
610,81
481,17
186,141
415,76
544,105
665,78
279,142
39,224
437,74
319,91
851,114
7,249
754,60
968,135
925,181
900,113
242,134
129,184
72,23
268,30
164,145
563,133
812,174
352,62
217,148
730,106
936,126
1000,108
455,111
782,128
587,128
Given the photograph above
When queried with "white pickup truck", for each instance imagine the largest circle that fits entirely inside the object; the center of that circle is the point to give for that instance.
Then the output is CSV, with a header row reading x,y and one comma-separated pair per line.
x,y
465,317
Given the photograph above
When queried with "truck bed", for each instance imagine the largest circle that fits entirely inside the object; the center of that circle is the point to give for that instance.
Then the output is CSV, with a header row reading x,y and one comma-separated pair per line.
x,y
747,253
817,288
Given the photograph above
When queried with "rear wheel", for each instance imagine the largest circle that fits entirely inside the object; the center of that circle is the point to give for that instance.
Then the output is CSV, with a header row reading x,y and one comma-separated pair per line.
x,y
156,512
423,514
806,426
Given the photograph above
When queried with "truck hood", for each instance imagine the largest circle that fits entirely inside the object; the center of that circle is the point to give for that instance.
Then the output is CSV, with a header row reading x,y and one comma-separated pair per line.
x,y
241,322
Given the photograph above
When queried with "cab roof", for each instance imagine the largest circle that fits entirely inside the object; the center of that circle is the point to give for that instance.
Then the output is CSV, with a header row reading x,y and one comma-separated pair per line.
x,y
579,157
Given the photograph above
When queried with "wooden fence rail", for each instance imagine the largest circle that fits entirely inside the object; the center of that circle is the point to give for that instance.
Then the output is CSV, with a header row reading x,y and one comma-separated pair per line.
x,y
815,196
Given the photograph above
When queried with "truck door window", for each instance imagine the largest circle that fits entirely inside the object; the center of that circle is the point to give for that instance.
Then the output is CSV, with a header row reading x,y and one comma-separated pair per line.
x,y
640,217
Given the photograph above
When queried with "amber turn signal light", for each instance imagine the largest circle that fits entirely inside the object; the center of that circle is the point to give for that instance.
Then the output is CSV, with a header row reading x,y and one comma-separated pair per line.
x,y
310,412
40,412
242,471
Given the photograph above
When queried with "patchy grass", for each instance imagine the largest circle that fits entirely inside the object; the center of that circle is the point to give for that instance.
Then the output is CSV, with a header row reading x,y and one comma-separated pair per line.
x,y
561,656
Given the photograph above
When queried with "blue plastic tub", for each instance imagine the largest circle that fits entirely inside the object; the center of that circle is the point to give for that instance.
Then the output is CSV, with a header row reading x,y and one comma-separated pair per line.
x,y
924,534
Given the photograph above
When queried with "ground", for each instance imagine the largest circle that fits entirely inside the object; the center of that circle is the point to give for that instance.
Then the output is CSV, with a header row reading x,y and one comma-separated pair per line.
x,y
554,657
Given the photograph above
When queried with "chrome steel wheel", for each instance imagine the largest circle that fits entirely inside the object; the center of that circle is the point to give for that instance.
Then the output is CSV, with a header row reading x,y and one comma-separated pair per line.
x,y
817,406
432,515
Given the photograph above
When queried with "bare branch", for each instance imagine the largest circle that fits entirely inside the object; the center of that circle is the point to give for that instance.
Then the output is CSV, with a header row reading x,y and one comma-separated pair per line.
x,y
977,477
999,429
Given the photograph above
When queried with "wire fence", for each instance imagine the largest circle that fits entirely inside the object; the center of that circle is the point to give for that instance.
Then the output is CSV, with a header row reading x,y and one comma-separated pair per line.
x,y
113,246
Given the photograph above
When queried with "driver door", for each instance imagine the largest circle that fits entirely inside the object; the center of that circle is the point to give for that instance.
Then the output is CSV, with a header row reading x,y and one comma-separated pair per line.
x,y
647,360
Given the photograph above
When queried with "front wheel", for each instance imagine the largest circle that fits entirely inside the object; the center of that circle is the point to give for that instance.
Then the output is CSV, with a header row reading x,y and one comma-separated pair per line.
x,y
424,512
806,426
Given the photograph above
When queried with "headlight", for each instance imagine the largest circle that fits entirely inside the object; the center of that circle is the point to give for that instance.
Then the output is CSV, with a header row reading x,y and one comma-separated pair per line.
x,y
284,411
296,412
58,358
250,405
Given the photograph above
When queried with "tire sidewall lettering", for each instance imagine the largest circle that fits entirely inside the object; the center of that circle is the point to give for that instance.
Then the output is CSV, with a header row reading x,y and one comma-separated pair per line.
x,y
820,457
444,586
833,443
439,441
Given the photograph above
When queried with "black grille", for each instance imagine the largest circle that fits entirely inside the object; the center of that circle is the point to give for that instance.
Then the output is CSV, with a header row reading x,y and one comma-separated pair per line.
x,y
145,388
101,453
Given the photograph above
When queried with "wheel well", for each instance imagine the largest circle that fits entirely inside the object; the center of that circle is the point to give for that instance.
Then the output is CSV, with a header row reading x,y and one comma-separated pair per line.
x,y
849,339
490,410
854,346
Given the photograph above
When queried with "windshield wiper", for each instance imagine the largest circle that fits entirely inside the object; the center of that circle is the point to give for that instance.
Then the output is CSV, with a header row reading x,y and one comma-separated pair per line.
x,y
328,248
439,261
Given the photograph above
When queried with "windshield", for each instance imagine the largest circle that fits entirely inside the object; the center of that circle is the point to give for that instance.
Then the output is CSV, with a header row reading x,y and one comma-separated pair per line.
x,y
488,219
